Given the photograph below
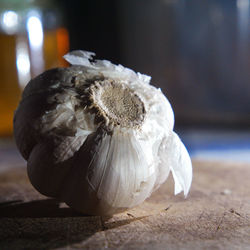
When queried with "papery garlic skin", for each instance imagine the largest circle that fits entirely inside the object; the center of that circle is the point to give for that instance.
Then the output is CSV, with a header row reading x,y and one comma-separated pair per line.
x,y
98,136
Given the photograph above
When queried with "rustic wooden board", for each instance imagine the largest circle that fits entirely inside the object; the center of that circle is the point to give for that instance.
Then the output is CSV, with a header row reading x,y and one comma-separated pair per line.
x,y
215,215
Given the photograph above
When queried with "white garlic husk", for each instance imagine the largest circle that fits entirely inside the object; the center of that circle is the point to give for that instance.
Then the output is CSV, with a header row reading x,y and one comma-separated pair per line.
x,y
98,136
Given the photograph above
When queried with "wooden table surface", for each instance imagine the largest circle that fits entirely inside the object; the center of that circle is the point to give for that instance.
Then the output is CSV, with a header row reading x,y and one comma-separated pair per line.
x,y
215,215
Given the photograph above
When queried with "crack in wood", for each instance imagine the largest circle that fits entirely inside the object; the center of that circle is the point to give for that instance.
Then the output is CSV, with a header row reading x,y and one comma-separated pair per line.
x,y
131,215
235,212
166,209
220,223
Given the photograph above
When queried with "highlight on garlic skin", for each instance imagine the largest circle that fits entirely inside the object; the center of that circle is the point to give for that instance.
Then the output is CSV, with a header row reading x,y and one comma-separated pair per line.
x,y
98,136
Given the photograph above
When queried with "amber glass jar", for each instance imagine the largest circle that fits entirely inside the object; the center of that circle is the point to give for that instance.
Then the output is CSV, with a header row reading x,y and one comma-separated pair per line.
x,y
32,39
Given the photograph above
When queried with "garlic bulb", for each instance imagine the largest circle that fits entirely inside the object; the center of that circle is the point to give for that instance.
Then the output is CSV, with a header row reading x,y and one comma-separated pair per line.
x,y
98,136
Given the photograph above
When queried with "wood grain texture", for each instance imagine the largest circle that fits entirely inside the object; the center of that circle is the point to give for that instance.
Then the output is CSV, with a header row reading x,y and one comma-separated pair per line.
x,y
215,215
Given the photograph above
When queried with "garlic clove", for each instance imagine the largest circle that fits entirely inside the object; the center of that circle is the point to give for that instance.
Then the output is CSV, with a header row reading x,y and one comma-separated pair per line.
x,y
117,174
129,176
34,104
180,163
44,174
163,168
50,162
25,118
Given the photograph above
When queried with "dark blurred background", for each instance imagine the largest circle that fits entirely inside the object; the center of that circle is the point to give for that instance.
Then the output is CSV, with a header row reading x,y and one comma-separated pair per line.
x,y
197,52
